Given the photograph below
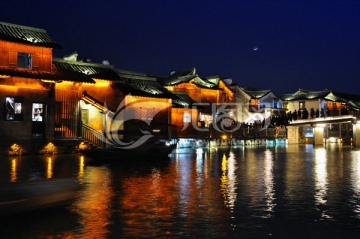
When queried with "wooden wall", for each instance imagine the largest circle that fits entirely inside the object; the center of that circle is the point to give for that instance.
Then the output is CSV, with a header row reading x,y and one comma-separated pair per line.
x,y
41,56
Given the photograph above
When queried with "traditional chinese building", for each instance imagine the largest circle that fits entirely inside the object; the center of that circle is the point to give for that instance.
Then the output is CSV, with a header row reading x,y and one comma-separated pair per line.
x,y
27,91
308,104
209,92
320,103
256,106
85,98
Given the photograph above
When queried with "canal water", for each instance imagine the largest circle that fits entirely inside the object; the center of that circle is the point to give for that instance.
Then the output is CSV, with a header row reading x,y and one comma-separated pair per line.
x,y
276,192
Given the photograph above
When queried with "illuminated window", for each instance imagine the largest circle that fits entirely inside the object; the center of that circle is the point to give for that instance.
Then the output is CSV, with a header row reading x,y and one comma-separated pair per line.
x,y
187,117
24,60
13,108
38,112
301,104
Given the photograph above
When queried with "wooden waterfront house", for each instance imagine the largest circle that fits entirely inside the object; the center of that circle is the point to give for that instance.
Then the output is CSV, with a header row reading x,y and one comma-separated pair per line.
x,y
149,107
184,117
84,99
303,100
27,91
96,103
307,104
256,106
208,92
324,103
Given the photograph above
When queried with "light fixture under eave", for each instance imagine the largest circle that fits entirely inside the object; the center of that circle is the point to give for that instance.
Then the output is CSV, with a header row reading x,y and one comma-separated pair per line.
x,y
51,81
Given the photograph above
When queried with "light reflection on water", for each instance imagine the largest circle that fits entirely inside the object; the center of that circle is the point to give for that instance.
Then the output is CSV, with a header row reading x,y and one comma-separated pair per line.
x,y
94,204
321,180
269,183
292,191
355,182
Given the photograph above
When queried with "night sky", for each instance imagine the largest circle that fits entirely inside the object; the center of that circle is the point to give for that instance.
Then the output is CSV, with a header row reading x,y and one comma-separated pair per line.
x,y
278,45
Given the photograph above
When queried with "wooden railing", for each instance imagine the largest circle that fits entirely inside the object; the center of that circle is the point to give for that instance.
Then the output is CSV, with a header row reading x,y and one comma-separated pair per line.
x,y
93,136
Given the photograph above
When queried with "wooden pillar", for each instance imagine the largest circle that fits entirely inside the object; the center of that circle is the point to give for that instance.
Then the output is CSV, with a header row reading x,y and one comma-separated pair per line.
x,y
293,135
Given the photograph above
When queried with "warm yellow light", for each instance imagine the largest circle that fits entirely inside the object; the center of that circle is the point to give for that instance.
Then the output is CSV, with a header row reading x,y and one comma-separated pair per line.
x,y
13,176
224,136
83,146
48,149
101,83
48,81
15,149
49,169
81,169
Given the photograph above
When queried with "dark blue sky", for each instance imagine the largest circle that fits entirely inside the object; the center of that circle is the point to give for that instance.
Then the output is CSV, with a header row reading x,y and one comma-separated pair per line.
x,y
312,44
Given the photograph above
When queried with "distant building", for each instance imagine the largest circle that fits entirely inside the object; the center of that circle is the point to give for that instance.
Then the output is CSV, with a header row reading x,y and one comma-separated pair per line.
x,y
308,104
256,106
209,93
321,103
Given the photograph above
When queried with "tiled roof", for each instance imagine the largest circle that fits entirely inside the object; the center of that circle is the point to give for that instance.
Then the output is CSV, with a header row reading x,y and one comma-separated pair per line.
x,y
183,76
213,79
349,99
303,94
79,71
256,94
140,85
179,76
204,83
26,35
338,96
58,74
182,100
30,74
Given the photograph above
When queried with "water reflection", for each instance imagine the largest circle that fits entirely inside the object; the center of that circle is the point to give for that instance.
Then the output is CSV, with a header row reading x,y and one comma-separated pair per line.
x,y
199,166
355,182
223,193
81,169
93,205
321,180
229,180
183,172
49,168
320,176
269,182
13,171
